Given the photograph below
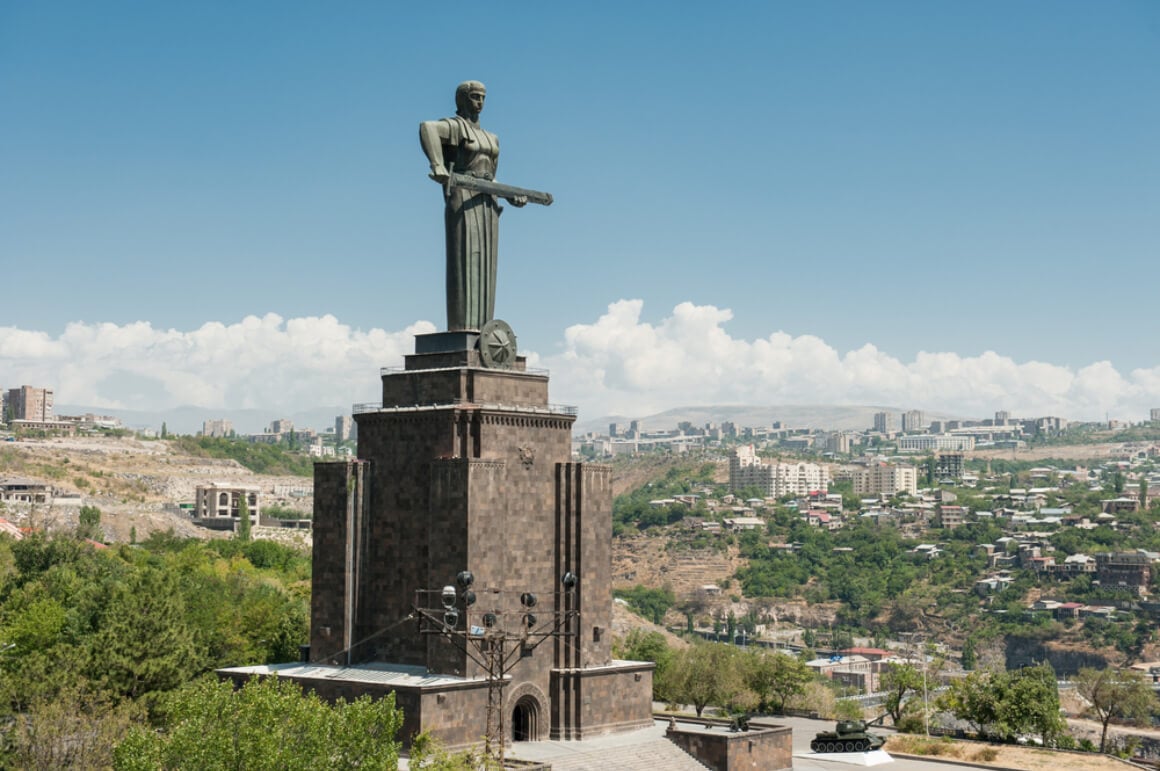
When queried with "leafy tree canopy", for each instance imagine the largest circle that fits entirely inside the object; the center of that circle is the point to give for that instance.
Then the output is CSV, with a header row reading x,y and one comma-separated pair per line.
x,y
266,724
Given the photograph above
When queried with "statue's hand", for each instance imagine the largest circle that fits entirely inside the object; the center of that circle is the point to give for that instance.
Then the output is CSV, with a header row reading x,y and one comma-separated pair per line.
x,y
439,174
518,201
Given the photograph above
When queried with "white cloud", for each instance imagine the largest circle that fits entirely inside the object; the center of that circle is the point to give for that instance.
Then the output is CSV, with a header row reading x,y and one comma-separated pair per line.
x,y
620,364
257,362
617,364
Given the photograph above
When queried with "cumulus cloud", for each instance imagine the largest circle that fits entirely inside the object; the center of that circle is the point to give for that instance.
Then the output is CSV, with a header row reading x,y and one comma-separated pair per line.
x,y
620,364
617,364
258,362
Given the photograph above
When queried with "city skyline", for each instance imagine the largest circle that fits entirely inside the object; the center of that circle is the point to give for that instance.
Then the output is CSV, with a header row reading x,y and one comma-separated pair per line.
x,y
944,208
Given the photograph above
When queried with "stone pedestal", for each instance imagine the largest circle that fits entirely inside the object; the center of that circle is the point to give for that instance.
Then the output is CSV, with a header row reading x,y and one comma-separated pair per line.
x,y
468,468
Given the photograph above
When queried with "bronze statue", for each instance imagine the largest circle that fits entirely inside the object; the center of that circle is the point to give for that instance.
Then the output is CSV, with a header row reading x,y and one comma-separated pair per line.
x,y
463,159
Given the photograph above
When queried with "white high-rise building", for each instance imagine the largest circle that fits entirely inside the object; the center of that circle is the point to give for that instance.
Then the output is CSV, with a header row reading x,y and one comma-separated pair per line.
x,y
775,479
882,479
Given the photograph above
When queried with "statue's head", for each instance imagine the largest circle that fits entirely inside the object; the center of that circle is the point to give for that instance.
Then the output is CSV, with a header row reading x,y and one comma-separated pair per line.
x,y
469,98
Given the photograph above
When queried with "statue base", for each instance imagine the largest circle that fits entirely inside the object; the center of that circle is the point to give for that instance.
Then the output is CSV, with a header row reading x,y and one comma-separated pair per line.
x,y
447,342
461,348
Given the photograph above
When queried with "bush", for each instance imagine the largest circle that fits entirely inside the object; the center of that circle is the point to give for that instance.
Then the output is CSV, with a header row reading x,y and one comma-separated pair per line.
x,y
267,724
985,755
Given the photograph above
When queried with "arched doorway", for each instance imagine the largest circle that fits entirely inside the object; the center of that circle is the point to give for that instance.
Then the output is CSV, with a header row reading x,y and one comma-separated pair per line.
x,y
525,717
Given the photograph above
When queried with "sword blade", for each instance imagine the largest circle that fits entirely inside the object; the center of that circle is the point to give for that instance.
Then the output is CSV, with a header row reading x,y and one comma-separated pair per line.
x,y
495,188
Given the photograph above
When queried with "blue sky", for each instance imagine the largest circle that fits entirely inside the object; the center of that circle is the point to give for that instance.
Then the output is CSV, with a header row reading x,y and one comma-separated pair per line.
x,y
839,182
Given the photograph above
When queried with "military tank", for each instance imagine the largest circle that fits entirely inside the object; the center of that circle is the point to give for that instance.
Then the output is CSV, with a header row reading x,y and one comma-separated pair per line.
x,y
848,736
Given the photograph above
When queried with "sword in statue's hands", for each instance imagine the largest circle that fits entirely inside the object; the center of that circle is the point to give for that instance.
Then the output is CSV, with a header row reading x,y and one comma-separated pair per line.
x,y
518,196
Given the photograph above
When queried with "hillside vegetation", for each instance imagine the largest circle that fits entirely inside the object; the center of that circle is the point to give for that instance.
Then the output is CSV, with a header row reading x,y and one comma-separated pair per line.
x,y
111,630
257,457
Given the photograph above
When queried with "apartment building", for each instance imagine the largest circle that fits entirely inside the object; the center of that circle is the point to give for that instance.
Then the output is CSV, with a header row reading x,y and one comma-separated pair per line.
x,y
881,478
28,403
775,479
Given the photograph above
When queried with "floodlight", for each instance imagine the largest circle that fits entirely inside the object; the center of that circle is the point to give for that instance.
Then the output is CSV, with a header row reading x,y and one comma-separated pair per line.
x,y
529,620
465,579
490,620
469,597
528,600
449,597
451,617
569,580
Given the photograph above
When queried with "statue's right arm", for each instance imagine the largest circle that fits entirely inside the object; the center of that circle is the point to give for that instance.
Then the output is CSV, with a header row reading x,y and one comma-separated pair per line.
x,y
432,135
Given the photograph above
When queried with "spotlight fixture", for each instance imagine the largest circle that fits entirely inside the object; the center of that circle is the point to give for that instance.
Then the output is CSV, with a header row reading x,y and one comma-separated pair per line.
x,y
529,620
469,597
465,579
569,580
451,617
490,620
528,600
448,596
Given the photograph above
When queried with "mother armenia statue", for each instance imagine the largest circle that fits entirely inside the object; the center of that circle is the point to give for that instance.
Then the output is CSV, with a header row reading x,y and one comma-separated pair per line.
x,y
463,159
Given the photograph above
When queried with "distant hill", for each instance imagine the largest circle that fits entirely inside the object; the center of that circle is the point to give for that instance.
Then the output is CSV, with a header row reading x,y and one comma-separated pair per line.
x,y
188,419
818,416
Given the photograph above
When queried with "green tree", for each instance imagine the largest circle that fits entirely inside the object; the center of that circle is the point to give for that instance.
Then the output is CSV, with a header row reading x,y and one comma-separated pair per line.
x,y
970,655
429,754
268,724
1005,705
897,681
1032,705
775,678
145,644
89,523
705,674
75,729
976,699
164,430
642,645
1115,693
848,709
244,526
652,604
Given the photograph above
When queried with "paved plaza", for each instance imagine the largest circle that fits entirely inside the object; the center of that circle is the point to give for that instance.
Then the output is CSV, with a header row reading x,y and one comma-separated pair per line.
x,y
648,750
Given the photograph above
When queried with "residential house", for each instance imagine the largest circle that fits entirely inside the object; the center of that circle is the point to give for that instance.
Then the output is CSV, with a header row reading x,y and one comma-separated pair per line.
x,y
950,517
19,490
822,519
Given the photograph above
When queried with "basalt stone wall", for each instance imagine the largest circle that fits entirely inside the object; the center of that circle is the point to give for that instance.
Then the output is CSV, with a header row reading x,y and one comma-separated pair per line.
x,y
583,532
764,748
600,700
339,509
464,469
461,385
401,447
